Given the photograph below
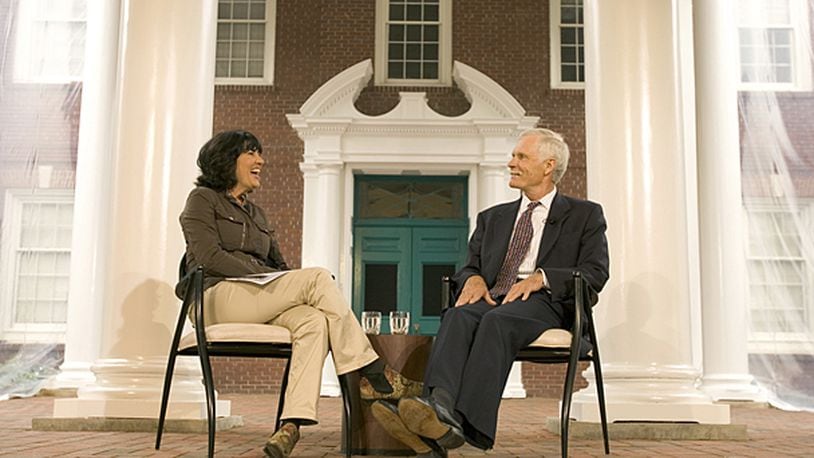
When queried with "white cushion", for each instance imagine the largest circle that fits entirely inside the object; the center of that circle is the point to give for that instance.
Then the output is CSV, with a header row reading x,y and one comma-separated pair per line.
x,y
240,332
553,338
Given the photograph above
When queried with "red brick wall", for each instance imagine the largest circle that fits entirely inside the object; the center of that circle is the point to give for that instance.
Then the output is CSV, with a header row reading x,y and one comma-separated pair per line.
x,y
546,380
248,375
316,39
258,375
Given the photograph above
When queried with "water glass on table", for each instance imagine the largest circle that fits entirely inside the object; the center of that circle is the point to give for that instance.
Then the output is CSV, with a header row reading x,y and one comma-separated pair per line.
x,y
372,322
399,322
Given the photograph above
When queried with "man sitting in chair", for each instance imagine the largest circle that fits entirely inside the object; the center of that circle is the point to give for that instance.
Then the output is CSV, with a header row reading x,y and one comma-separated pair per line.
x,y
515,285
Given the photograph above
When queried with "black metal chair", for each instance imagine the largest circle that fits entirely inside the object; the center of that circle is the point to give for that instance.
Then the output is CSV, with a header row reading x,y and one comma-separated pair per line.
x,y
557,346
232,339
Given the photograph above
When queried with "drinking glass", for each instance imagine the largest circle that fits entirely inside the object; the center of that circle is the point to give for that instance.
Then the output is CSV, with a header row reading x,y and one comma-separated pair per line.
x,y
399,322
372,322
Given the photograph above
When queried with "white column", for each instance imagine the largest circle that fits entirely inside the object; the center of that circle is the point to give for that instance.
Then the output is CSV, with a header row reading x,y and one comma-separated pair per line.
x,y
641,167
163,114
493,185
322,207
723,265
93,169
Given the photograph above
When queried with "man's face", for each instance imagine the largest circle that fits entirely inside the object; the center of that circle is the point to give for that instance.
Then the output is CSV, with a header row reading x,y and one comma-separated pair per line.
x,y
529,169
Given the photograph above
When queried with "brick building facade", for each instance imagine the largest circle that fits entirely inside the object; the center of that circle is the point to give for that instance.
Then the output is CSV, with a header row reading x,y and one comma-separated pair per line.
x,y
317,40
314,41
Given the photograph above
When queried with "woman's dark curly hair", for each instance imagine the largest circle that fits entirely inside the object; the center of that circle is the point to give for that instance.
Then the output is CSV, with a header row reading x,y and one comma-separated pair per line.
x,y
218,158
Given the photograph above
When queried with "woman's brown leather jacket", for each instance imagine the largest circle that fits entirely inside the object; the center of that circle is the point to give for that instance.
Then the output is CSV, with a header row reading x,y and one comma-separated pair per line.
x,y
228,239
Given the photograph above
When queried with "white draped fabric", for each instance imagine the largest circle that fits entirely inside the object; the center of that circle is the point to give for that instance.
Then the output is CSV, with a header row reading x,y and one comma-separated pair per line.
x,y
41,56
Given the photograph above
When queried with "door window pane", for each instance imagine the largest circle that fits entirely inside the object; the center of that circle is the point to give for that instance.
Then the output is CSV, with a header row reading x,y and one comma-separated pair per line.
x,y
381,287
411,198
383,199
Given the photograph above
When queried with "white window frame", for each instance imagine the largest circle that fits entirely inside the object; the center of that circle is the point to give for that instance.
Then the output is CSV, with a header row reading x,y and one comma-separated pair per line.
x,y
785,342
10,330
268,54
444,48
554,17
25,56
800,59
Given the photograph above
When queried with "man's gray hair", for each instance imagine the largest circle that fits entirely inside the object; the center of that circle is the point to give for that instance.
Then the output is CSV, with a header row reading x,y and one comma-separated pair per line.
x,y
551,145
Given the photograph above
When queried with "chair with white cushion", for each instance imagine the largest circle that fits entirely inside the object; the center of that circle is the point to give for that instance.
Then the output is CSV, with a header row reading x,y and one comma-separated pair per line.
x,y
556,346
228,339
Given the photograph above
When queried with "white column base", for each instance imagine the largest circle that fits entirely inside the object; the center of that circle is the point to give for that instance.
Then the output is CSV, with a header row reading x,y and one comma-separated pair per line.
x,y
135,408
330,382
72,374
732,387
648,393
514,386
131,388
688,412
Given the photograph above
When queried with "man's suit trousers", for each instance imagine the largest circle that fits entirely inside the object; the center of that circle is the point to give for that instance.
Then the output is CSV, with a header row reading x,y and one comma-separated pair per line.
x,y
473,354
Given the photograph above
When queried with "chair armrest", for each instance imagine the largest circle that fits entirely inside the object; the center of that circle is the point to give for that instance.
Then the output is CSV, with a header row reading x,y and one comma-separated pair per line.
x,y
197,295
447,292
580,292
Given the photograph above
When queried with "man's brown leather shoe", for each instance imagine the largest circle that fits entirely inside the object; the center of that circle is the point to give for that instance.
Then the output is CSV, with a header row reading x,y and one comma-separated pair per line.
x,y
429,419
387,415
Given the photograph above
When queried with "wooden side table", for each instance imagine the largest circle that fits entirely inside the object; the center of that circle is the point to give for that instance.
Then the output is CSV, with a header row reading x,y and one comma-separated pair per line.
x,y
406,354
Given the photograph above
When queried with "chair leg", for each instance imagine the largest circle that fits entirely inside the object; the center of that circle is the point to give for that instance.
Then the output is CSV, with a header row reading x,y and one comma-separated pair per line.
x,y
600,386
165,396
209,388
281,401
567,392
600,395
347,425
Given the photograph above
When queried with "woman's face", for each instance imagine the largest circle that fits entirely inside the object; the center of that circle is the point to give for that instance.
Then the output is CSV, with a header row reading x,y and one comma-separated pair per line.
x,y
247,171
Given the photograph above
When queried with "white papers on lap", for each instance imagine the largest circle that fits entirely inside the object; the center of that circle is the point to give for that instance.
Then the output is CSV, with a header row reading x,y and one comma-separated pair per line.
x,y
260,279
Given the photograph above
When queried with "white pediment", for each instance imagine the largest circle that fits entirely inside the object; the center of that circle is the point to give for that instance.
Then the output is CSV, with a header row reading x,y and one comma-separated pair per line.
x,y
335,99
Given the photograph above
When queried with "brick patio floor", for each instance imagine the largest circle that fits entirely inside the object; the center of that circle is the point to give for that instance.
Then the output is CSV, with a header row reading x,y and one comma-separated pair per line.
x,y
521,432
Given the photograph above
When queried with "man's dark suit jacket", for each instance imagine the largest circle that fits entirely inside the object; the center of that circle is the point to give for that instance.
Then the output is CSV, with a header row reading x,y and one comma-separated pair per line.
x,y
573,239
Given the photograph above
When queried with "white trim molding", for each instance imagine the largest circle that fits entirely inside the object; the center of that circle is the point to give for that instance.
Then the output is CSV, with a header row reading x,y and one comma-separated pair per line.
x,y
412,136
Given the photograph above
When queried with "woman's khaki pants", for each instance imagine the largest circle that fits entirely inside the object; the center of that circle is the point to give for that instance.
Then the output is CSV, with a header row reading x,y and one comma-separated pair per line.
x,y
308,303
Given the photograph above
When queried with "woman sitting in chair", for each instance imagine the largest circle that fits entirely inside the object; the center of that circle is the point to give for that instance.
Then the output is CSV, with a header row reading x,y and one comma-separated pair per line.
x,y
230,235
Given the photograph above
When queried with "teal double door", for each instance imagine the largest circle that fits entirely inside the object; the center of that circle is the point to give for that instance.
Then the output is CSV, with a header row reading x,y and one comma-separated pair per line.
x,y
408,233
